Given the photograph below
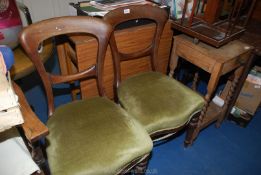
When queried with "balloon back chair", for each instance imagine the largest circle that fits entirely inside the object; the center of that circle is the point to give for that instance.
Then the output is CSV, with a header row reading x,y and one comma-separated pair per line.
x,y
90,136
161,104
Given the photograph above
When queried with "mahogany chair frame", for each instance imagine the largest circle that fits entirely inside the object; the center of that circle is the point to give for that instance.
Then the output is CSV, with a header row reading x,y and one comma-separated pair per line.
x,y
32,37
159,17
32,130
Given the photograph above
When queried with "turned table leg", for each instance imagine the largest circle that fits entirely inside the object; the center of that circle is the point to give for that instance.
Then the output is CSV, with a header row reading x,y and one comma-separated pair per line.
x,y
230,95
240,82
212,84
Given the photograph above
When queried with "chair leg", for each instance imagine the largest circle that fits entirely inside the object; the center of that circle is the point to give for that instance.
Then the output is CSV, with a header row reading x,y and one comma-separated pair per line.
x,y
39,156
191,130
141,168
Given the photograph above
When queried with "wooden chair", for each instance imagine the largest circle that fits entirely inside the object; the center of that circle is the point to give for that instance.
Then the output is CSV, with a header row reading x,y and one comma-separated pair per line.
x,y
90,136
161,104
32,130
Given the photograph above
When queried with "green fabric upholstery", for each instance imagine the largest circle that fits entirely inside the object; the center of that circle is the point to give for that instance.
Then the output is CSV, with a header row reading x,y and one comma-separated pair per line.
x,y
157,101
94,136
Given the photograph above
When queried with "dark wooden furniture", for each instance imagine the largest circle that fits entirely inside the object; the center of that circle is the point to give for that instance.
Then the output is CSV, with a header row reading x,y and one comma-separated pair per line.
x,y
32,130
251,36
211,26
86,136
129,39
161,104
233,56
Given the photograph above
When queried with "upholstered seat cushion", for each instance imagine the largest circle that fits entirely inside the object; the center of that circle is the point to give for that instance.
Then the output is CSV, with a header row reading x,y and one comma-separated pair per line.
x,y
158,102
94,136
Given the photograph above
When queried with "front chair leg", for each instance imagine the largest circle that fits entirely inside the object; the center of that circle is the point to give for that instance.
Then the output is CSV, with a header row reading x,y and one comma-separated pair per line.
x,y
141,167
38,156
191,130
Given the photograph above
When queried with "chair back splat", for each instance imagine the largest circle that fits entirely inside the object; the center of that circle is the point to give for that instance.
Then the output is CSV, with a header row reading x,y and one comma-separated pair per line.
x,y
36,33
120,15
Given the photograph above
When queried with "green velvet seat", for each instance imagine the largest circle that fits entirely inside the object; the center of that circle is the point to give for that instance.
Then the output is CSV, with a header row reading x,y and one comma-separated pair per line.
x,y
84,140
158,101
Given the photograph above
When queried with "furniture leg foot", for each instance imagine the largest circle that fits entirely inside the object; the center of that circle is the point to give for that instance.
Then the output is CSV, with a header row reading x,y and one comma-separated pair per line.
x,y
141,168
192,131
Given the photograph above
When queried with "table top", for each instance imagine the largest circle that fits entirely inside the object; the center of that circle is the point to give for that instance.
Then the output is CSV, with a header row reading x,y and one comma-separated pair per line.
x,y
221,54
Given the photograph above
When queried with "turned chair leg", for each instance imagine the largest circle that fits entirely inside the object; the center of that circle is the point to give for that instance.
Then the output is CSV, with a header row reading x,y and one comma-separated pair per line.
x,y
141,168
191,130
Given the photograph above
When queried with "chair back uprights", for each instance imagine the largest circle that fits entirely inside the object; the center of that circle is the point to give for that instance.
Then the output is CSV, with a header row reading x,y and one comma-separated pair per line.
x,y
118,16
32,37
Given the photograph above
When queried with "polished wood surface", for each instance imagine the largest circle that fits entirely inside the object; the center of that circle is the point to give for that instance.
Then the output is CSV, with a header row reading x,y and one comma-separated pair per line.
x,y
36,33
213,9
217,62
128,40
23,65
117,17
33,128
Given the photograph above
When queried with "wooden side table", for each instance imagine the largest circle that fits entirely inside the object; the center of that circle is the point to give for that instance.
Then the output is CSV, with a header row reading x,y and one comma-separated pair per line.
x,y
217,62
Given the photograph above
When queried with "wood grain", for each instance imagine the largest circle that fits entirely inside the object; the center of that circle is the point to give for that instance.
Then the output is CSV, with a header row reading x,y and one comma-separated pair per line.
x,y
128,40
33,128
